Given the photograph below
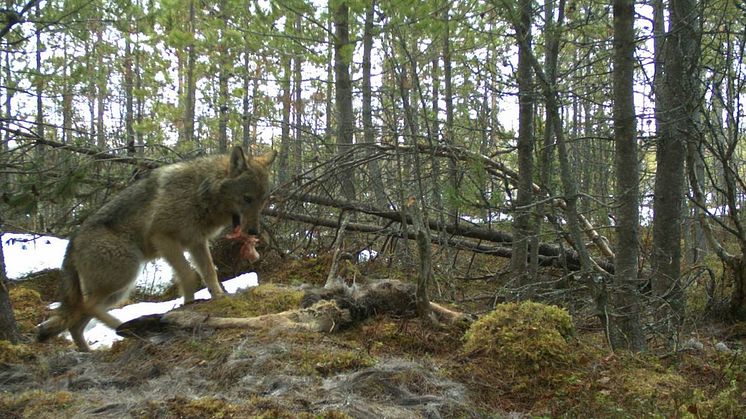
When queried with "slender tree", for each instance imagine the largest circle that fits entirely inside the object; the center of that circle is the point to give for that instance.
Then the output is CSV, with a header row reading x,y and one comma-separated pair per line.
x,y
8,325
191,80
676,105
625,328
522,221
367,105
343,49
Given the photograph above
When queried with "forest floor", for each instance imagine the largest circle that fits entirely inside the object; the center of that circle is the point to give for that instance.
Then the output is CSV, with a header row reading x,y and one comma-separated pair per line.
x,y
528,360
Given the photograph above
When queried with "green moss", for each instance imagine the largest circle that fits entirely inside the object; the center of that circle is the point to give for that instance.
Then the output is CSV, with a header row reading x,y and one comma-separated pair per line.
x,y
28,308
384,335
327,363
36,404
219,408
646,389
14,354
310,270
526,338
264,299
206,407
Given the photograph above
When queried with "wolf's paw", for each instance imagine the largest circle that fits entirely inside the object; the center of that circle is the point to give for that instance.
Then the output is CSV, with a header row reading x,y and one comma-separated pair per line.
x,y
216,295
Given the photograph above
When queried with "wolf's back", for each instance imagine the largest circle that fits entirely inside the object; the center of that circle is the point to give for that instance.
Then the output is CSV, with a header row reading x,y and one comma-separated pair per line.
x,y
71,294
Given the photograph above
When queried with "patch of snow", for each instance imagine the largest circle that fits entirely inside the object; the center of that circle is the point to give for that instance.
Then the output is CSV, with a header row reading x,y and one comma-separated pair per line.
x,y
366,255
27,253
100,336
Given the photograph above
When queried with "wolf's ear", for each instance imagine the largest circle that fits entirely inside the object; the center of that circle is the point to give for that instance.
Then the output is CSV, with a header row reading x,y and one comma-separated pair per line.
x,y
237,162
267,158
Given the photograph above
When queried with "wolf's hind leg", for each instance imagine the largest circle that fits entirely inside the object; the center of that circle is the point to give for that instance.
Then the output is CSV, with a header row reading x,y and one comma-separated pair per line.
x,y
186,277
108,266
205,265
76,331
101,313
50,328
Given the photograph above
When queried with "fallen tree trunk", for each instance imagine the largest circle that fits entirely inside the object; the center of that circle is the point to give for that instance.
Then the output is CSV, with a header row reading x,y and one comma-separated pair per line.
x,y
322,310
500,170
548,255
462,230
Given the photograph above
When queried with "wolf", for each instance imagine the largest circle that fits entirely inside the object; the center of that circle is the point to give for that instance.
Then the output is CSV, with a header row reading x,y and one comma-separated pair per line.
x,y
175,208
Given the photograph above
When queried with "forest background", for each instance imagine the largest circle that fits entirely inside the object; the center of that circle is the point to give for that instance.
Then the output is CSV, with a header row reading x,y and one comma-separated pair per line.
x,y
594,146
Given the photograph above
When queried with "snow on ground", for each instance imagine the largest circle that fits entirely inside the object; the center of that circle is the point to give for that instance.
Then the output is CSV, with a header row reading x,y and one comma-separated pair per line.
x,y
99,335
25,253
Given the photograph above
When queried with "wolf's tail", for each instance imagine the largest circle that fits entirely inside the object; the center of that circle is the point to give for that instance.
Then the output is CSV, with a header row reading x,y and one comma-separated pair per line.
x,y
69,312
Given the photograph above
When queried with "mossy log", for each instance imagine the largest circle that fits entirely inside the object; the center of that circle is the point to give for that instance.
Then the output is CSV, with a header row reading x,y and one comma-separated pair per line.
x,y
322,310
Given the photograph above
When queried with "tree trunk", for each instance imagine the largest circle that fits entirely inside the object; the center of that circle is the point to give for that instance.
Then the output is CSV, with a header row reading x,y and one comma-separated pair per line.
x,y
343,85
625,330
254,102
191,82
367,107
676,102
448,139
102,75
224,62
129,129
329,112
39,84
139,137
737,301
245,102
524,198
8,325
283,171
67,95
552,38
298,108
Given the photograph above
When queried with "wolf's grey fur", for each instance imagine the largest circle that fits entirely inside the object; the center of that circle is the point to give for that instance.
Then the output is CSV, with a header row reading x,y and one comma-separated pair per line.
x,y
176,208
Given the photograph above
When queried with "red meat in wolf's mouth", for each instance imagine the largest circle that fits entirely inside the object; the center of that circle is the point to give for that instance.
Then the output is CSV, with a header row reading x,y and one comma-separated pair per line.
x,y
248,249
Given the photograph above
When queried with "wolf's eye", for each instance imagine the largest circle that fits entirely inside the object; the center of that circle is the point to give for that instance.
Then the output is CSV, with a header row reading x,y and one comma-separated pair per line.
x,y
248,199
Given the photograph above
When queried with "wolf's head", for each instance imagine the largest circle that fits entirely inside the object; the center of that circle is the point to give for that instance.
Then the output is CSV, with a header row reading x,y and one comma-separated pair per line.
x,y
246,189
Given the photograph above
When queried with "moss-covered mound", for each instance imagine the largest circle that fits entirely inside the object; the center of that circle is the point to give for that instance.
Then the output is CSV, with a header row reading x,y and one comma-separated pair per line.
x,y
525,337
28,308
519,348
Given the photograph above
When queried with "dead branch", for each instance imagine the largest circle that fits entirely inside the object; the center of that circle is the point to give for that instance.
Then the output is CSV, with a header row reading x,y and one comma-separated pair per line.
x,y
100,155
548,255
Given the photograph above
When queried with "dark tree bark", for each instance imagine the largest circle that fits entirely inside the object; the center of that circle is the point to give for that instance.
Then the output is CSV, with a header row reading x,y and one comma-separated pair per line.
x,y
246,108
343,88
8,325
552,38
191,82
676,104
101,90
283,171
448,135
367,106
625,330
129,128
524,198
39,84
297,107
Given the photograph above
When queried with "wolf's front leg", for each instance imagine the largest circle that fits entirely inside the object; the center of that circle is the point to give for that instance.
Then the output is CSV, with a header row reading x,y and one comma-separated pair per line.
x,y
186,277
203,259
